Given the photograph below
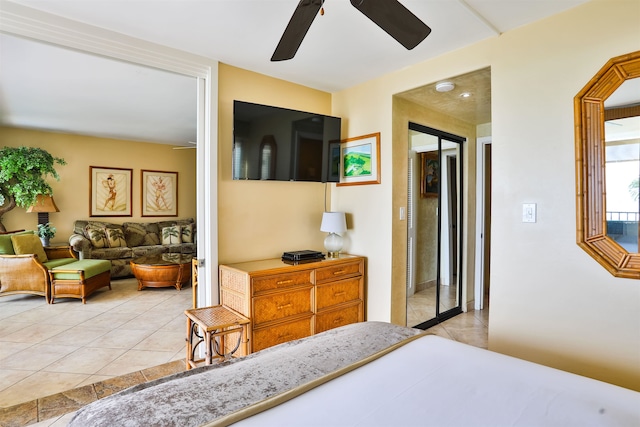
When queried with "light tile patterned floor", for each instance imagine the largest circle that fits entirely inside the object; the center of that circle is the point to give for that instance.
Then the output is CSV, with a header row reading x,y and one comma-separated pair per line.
x,y
67,353
49,348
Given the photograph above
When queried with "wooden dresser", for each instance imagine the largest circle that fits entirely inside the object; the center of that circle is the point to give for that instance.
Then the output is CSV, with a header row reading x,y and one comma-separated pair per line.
x,y
286,302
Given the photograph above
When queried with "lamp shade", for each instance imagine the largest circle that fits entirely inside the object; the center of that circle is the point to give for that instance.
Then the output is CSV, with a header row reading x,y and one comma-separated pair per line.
x,y
333,222
44,204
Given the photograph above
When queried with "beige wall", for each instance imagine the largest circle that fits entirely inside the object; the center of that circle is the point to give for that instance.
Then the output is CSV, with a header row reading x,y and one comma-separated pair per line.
x,y
263,219
550,302
71,192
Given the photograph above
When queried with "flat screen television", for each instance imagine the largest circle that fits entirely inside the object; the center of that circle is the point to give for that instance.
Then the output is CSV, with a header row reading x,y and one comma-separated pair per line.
x,y
273,143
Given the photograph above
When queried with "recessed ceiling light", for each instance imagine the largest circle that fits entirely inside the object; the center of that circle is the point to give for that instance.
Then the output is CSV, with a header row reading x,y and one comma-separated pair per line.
x,y
445,86
465,95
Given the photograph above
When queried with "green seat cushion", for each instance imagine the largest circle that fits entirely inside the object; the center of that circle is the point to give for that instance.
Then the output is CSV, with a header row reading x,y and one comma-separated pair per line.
x,y
53,263
6,247
91,267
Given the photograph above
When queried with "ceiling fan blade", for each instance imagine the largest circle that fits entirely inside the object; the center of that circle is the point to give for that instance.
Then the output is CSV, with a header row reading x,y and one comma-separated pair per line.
x,y
395,19
297,28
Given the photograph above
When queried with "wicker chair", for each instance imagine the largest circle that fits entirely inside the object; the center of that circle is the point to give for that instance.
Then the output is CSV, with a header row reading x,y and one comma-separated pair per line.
x,y
26,274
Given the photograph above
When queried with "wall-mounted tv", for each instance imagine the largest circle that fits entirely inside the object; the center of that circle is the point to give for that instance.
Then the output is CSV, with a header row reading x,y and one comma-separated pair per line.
x,y
273,143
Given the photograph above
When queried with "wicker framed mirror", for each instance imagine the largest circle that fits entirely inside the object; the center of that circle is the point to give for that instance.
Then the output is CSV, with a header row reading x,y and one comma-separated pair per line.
x,y
591,196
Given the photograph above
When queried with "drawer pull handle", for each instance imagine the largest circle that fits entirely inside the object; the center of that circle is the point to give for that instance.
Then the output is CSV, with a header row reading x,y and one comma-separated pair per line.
x,y
338,320
339,294
284,282
280,307
335,273
283,336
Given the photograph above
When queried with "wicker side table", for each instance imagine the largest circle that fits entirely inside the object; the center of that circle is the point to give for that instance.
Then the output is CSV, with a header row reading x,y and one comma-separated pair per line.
x,y
211,325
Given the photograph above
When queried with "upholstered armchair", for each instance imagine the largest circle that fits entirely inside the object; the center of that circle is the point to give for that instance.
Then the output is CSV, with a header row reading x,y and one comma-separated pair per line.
x,y
24,265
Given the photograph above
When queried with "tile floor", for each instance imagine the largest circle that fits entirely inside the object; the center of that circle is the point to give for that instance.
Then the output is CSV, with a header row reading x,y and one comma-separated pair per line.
x,y
57,358
49,348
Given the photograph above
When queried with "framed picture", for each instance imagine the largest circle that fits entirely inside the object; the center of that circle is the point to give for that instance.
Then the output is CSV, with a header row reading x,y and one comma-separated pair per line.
x,y
110,191
429,174
360,160
159,193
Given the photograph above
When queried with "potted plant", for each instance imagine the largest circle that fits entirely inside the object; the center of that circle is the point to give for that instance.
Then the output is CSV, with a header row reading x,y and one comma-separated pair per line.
x,y
45,232
22,177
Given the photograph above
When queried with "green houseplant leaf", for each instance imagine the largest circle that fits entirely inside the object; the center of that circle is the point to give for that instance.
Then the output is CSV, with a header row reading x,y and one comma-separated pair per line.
x,y
23,173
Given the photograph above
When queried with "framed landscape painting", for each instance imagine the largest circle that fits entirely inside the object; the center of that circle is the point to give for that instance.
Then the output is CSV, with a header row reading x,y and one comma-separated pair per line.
x,y
159,193
360,160
110,191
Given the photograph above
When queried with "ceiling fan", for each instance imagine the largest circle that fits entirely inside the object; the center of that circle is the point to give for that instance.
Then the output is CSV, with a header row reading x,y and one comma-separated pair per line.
x,y
390,15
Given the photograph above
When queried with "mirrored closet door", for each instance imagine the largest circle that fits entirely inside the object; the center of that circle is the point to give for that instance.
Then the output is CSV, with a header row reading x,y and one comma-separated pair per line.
x,y
434,225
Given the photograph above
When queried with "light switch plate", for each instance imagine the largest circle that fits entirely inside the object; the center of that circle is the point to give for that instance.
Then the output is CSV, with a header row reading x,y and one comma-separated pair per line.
x,y
528,212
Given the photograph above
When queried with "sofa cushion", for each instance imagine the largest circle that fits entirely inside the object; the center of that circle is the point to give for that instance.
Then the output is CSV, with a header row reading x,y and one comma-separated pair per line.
x,y
139,251
6,247
186,233
115,238
24,244
141,234
171,235
111,253
97,235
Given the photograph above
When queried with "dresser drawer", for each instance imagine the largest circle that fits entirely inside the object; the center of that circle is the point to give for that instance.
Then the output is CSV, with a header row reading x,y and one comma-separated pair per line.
x,y
285,280
335,318
337,272
337,292
279,305
273,335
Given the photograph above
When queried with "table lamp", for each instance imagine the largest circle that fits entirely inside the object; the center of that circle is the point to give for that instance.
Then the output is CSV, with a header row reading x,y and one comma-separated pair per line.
x,y
43,205
333,223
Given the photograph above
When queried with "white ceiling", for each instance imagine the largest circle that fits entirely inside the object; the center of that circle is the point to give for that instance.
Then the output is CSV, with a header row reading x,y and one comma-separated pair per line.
x,y
82,93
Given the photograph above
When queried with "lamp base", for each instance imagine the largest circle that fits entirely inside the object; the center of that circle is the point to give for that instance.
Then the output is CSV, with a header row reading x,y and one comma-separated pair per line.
x,y
333,245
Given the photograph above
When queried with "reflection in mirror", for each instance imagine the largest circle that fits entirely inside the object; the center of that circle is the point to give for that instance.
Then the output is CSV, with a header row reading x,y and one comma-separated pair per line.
x,y
622,139
450,250
433,231
422,228
607,166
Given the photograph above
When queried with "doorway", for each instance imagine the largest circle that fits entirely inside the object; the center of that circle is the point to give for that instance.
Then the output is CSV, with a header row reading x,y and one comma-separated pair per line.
x,y
434,227
483,224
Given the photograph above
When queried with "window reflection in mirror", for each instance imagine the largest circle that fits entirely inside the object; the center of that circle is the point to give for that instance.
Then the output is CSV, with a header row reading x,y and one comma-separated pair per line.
x,y
622,168
612,94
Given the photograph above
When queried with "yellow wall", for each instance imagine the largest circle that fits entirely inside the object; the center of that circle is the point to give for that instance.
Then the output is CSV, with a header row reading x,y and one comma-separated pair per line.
x,y
262,219
71,192
550,302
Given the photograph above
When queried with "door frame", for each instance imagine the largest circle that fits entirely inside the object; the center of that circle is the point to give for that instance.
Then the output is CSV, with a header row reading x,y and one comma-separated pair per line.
x,y
22,21
481,174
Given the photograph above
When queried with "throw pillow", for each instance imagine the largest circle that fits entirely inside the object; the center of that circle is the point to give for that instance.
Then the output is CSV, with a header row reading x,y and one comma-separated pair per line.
x,y
6,247
97,235
24,244
171,235
187,233
115,238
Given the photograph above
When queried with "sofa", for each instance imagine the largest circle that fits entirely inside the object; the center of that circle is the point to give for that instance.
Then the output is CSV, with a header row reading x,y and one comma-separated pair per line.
x,y
25,264
121,243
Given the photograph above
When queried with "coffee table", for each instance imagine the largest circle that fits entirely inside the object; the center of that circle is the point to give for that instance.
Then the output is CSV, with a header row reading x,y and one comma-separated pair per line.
x,y
162,270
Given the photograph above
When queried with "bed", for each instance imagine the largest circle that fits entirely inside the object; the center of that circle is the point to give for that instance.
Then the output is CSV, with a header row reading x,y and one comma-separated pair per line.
x,y
369,374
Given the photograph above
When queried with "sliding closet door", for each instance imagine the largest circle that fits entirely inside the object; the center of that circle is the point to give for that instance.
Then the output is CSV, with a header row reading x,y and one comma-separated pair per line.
x,y
434,226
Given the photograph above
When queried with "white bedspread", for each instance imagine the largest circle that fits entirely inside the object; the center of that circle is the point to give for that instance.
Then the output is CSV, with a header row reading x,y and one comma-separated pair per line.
x,y
433,381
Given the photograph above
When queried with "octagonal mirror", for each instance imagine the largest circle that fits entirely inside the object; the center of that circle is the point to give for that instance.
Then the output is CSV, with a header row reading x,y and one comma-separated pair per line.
x,y
607,122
